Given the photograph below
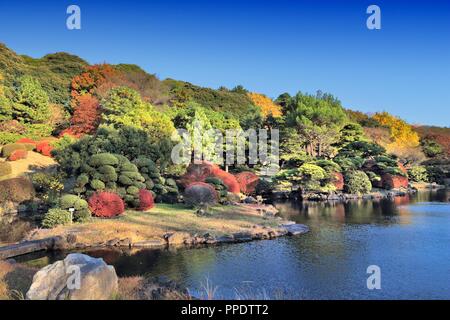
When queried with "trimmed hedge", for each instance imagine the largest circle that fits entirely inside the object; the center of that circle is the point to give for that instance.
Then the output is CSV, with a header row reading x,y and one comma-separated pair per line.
x,y
8,149
55,217
81,213
18,155
357,182
200,194
106,205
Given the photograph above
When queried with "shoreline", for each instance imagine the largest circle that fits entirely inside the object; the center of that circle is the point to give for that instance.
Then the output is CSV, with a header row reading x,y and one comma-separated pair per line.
x,y
252,223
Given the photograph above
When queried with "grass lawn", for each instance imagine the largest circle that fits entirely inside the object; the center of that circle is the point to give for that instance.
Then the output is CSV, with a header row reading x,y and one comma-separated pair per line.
x,y
163,218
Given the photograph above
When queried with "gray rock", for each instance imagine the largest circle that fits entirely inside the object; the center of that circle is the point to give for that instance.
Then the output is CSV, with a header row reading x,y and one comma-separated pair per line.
x,y
98,281
242,237
295,229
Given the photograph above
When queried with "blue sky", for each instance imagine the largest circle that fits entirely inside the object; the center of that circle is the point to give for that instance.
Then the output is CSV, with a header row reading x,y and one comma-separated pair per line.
x,y
268,46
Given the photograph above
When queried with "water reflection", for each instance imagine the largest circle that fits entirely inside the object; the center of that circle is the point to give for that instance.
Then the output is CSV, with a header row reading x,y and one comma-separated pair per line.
x,y
407,237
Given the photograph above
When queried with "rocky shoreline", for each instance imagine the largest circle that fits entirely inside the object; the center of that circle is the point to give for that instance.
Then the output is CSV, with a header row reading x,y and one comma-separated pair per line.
x,y
69,241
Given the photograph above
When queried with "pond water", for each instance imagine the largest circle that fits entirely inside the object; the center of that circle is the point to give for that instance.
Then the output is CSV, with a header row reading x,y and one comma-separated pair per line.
x,y
409,239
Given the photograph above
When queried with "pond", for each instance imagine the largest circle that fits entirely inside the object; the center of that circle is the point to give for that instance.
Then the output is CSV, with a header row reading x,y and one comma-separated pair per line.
x,y
408,238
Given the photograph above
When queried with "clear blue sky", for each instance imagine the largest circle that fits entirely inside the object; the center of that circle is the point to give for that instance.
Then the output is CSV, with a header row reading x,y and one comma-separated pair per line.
x,y
269,47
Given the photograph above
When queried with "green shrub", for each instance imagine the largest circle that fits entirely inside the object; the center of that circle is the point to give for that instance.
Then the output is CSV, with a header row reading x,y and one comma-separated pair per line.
x,y
82,213
357,182
8,149
48,185
97,185
55,217
9,137
263,187
418,174
5,169
103,159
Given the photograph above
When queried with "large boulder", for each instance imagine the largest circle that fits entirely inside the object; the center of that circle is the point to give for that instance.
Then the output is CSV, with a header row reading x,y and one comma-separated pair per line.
x,y
98,281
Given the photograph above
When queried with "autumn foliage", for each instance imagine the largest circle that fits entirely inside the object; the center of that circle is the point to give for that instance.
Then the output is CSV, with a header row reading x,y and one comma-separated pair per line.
x,y
18,155
267,106
198,172
247,181
106,205
44,148
146,201
86,116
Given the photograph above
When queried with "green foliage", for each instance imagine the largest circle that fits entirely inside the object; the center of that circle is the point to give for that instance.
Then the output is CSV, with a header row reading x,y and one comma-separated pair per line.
x,y
9,137
232,104
31,102
418,174
55,217
5,169
435,174
318,119
53,71
357,182
48,186
81,212
431,148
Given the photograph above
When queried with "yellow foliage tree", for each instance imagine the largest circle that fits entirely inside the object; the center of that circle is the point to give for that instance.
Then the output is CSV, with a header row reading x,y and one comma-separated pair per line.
x,y
267,106
402,134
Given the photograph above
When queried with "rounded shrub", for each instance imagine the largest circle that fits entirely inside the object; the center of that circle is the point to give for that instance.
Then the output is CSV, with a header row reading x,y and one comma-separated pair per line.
x,y
5,169
55,217
103,159
199,194
8,149
106,204
357,182
418,174
97,185
247,181
18,155
146,200
44,148
81,213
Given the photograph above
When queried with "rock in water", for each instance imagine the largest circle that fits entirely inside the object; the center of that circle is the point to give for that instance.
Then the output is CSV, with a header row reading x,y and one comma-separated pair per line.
x,y
295,229
58,281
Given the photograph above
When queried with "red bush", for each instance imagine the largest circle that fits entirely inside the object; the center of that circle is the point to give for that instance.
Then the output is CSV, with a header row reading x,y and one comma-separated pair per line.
x,y
26,140
44,148
338,181
390,181
18,155
247,181
228,179
86,116
146,201
198,172
106,204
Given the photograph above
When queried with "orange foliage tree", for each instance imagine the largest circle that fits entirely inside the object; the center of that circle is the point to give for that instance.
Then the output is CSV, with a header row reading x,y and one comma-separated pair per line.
x,y
402,134
86,116
267,106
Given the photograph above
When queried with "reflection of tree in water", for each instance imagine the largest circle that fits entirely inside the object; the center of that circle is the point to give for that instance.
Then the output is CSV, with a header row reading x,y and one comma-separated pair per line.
x,y
173,263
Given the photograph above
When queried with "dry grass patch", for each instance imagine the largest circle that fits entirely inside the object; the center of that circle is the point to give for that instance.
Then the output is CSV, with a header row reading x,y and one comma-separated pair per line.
x,y
15,280
164,218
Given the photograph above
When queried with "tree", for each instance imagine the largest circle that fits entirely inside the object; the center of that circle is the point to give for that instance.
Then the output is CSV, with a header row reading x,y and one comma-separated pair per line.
x,y
402,134
318,119
31,103
86,116
124,108
267,106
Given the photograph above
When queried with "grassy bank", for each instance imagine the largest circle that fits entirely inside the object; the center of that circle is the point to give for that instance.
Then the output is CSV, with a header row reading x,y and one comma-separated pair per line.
x,y
162,219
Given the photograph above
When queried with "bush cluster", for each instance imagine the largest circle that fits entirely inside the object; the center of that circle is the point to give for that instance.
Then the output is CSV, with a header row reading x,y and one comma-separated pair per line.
x,y
247,181
16,190
219,186
110,172
18,155
146,200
